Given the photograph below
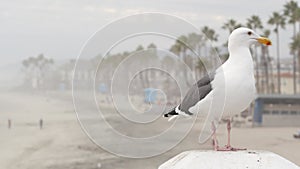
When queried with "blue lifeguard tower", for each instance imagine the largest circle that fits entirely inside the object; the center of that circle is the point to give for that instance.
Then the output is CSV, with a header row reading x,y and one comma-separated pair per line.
x,y
102,88
62,86
150,95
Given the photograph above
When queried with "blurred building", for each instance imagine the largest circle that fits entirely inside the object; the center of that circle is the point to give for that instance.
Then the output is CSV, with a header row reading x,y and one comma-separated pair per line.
x,y
286,75
277,110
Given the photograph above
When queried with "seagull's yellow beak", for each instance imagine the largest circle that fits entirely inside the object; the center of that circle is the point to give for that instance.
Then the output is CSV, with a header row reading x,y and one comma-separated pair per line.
x,y
264,40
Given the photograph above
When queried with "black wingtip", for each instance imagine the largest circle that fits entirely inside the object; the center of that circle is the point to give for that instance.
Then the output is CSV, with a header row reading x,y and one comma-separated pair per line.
x,y
171,113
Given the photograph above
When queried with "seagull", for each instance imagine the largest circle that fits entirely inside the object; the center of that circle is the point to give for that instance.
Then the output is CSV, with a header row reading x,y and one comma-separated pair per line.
x,y
225,92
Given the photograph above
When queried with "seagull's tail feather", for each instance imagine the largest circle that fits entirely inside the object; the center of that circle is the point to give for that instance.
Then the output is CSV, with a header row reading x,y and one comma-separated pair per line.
x,y
172,114
175,113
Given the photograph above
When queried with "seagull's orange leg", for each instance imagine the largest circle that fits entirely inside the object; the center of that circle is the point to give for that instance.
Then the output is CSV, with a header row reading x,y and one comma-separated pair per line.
x,y
228,132
215,141
228,147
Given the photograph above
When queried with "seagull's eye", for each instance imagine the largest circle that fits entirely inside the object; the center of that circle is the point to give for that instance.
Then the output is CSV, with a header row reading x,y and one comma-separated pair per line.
x,y
249,33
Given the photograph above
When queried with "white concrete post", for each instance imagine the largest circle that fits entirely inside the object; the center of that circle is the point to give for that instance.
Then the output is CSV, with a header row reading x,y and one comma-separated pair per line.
x,y
228,160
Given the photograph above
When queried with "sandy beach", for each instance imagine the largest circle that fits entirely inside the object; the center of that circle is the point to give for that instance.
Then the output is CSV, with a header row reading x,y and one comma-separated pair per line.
x,y
62,144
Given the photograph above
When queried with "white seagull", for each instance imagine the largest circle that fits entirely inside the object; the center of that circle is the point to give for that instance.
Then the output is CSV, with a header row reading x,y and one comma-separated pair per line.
x,y
227,91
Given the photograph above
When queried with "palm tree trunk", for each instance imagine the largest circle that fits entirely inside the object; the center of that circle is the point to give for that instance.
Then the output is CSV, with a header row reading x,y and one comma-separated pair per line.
x,y
278,64
272,78
266,70
185,73
142,80
267,74
299,27
257,70
295,55
294,63
294,73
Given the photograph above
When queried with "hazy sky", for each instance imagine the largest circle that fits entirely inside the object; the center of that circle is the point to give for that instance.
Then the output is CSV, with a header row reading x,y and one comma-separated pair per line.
x,y
59,28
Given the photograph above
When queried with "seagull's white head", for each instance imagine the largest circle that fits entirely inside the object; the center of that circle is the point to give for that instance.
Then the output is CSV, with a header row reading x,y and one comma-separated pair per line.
x,y
245,37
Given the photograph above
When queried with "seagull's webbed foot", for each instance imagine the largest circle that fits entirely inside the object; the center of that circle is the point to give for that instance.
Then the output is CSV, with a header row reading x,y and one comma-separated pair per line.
x,y
228,147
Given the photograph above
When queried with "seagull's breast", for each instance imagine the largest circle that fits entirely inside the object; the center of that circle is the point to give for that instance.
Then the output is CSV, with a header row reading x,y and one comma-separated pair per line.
x,y
239,92
235,82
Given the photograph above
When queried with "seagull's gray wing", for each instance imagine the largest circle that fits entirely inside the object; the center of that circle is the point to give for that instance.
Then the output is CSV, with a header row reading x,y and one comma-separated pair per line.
x,y
196,93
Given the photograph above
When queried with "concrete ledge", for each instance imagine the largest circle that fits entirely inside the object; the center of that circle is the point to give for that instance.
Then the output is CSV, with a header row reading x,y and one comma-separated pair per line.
x,y
228,160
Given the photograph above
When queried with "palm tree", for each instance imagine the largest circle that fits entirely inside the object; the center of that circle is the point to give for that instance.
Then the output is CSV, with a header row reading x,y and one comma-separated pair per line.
x,y
205,30
151,46
196,42
297,17
37,67
153,55
266,61
290,10
182,42
142,76
231,25
175,48
295,46
279,22
212,36
193,42
200,66
139,48
254,22
179,48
